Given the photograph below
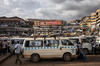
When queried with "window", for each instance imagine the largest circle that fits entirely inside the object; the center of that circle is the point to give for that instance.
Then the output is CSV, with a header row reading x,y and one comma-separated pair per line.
x,y
75,40
14,41
34,43
90,39
52,43
27,44
66,42
85,41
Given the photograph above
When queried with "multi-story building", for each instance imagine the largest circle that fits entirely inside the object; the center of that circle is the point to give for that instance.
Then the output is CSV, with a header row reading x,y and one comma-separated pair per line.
x,y
92,22
13,26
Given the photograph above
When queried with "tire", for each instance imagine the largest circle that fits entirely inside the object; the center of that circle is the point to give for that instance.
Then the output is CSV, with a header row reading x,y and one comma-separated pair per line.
x,y
35,58
86,51
67,57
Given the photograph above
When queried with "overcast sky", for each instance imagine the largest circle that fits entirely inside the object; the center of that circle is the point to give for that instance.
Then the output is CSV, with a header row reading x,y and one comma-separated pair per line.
x,y
48,9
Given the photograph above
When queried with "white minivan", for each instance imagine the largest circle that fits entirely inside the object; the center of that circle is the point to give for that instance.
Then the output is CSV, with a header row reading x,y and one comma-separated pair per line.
x,y
48,48
87,47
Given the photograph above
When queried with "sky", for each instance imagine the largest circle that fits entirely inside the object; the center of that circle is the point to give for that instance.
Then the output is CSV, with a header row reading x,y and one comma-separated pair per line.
x,y
48,9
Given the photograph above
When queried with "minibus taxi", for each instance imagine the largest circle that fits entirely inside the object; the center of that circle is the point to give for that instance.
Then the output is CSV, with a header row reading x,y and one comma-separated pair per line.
x,y
86,45
38,48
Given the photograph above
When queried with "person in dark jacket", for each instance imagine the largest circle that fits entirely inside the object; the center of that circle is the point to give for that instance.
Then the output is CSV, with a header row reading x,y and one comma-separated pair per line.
x,y
94,46
81,54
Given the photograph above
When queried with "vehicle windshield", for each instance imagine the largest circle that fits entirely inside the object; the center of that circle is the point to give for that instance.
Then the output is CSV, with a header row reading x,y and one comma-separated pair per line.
x,y
85,41
14,41
90,39
74,40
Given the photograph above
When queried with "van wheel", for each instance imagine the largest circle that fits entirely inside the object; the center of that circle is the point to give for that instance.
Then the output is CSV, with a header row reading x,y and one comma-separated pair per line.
x,y
67,57
35,58
86,51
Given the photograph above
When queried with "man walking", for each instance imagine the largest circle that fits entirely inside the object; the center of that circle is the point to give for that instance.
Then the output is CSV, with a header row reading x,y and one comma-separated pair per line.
x,y
18,52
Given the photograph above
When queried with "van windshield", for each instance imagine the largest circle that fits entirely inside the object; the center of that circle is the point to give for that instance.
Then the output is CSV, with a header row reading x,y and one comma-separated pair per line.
x,y
85,41
14,41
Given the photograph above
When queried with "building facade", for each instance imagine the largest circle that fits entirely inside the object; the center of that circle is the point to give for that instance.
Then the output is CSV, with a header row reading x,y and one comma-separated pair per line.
x,y
13,26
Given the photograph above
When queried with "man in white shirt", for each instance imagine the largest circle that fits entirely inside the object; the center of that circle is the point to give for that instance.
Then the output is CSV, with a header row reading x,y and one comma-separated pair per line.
x,y
18,50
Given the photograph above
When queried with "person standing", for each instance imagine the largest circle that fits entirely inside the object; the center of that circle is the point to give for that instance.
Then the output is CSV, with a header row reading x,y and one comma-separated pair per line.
x,y
4,47
94,46
79,47
18,50
0,47
81,54
9,43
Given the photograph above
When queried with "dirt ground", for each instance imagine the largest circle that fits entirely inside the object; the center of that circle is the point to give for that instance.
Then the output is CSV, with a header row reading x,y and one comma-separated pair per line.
x,y
92,60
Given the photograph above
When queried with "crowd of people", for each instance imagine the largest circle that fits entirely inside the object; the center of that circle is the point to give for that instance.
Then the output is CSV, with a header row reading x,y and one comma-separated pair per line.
x,y
4,47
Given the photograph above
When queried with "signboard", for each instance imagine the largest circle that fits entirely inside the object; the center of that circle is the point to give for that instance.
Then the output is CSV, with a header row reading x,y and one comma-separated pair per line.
x,y
48,23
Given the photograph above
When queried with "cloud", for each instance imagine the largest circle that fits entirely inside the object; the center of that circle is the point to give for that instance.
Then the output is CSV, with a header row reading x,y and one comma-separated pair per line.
x,y
48,9
58,1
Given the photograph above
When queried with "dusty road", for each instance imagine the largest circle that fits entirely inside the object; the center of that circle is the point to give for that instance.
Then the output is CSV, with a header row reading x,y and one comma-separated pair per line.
x,y
91,61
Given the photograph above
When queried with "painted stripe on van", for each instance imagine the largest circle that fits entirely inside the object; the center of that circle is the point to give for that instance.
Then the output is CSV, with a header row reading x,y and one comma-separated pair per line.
x,y
71,46
25,48
68,46
46,47
55,47
34,48
49,47
39,48
30,48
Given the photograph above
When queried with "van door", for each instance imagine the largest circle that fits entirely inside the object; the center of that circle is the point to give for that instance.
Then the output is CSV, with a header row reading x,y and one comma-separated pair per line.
x,y
68,46
33,46
52,48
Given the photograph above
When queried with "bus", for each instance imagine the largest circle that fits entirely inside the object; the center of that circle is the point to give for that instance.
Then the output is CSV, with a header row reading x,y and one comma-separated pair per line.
x,y
38,48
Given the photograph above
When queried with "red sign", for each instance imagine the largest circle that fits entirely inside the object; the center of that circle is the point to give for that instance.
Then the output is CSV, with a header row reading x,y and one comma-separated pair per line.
x,y
50,23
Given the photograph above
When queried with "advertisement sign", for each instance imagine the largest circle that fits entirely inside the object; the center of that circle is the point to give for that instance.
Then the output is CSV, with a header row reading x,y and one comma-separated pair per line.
x,y
50,23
